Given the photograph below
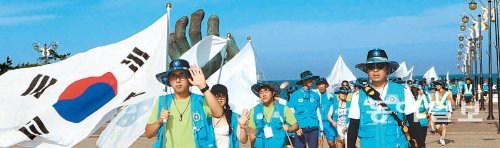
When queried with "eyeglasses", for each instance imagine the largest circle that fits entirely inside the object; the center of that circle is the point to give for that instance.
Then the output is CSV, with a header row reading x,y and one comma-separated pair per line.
x,y
376,65
182,76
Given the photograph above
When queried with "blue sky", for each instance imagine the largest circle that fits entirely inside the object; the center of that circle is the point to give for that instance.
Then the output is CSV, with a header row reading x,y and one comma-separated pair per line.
x,y
288,36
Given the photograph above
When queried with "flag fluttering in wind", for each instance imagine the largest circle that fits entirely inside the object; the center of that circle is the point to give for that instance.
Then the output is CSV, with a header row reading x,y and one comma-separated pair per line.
x,y
409,75
238,75
340,72
129,124
402,71
447,77
63,103
429,74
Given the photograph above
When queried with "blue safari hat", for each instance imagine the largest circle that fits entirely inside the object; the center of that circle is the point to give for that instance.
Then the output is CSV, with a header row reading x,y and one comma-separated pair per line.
x,y
306,75
291,89
342,89
399,81
440,82
377,56
432,86
322,80
359,81
178,64
256,87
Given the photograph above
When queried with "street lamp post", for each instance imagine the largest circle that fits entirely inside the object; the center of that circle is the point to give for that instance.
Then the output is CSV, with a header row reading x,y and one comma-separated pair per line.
x,y
45,51
481,64
490,79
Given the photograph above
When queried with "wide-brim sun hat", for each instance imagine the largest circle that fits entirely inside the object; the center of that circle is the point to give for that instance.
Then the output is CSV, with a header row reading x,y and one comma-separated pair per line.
x,y
273,86
342,89
178,64
377,56
322,80
306,75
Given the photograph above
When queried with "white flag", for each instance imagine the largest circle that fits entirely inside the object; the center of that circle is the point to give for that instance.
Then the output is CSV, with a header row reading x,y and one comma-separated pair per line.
x,y
340,72
238,75
402,71
409,75
62,103
129,125
431,73
202,52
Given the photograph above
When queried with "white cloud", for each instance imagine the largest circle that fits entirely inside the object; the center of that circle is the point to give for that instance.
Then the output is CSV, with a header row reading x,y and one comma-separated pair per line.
x,y
24,19
28,12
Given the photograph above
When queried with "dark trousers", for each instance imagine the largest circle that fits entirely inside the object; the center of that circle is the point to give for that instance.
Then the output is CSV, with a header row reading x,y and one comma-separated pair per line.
x,y
420,135
309,137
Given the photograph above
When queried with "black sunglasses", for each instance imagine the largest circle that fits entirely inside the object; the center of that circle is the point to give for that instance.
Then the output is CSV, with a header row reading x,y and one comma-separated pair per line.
x,y
376,65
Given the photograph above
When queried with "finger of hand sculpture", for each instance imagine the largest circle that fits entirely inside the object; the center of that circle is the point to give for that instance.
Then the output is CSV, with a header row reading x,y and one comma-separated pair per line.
x,y
195,26
213,25
178,43
180,34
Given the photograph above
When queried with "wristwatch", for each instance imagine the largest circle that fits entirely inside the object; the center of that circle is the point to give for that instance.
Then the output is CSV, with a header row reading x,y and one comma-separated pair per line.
x,y
203,90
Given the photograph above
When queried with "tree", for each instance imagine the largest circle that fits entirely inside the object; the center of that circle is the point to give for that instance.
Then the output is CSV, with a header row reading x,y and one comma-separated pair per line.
x,y
5,66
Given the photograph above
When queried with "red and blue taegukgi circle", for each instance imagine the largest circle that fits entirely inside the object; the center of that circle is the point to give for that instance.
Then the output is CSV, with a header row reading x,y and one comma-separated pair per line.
x,y
85,96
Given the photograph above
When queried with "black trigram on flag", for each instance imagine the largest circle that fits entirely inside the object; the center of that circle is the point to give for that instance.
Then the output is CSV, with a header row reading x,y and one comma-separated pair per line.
x,y
133,94
38,85
34,128
137,57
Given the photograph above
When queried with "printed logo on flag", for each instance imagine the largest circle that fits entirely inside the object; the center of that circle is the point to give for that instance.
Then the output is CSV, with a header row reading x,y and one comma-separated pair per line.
x,y
85,96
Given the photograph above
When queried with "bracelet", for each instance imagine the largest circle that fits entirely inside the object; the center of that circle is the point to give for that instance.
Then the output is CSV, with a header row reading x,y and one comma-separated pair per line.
x,y
205,89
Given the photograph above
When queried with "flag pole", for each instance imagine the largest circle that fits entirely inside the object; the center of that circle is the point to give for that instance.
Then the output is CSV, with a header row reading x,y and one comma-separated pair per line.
x,y
223,54
169,7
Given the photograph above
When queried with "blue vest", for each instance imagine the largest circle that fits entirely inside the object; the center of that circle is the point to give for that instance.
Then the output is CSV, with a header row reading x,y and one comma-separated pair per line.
x,y
468,89
426,88
279,135
454,88
305,103
326,100
485,87
423,107
203,130
440,102
336,108
234,142
380,129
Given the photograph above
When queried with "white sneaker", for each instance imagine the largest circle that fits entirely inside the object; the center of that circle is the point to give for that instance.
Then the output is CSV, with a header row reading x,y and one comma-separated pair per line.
x,y
442,142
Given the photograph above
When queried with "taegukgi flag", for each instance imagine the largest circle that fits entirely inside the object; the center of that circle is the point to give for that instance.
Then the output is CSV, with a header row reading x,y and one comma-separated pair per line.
x,y
62,103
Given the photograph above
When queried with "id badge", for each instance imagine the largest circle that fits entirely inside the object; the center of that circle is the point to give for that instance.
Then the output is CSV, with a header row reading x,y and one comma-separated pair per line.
x,y
268,131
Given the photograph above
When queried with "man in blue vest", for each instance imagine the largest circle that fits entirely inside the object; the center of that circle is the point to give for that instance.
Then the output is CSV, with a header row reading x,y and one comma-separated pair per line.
x,y
269,120
376,127
305,103
327,98
180,119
